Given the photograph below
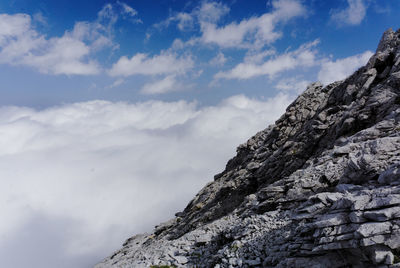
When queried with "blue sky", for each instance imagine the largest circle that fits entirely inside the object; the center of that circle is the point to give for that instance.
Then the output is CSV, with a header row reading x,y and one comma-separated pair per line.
x,y
191,34
114,114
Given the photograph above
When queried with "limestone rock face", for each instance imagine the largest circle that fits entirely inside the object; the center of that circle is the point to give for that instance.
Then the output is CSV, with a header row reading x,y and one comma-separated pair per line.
x,y
320,188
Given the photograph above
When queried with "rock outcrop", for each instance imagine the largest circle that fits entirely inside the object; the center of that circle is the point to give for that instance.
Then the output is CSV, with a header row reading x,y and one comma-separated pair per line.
x,y
320,188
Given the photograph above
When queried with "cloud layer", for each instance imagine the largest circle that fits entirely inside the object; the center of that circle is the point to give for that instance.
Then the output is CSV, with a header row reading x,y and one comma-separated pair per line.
x,y
78,179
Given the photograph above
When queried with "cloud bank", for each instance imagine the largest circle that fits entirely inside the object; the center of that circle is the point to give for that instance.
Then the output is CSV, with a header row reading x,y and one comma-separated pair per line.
x,y
80,178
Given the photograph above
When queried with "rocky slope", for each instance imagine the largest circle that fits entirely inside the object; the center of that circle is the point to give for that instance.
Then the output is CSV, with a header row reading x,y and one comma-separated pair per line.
x,y
320,188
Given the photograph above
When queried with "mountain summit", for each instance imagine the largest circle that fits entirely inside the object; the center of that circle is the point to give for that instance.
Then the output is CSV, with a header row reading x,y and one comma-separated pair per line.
x,y
320,188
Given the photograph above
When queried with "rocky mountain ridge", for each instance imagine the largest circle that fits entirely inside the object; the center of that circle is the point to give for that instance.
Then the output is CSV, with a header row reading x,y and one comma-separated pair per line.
x,y
320,188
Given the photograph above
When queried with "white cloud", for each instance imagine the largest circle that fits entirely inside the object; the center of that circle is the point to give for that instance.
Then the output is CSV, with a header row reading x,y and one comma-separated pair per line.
x,y
127,9
353,14
71,54
116,83
303,56
79,179
255,32
13,25
211,12
165,63
107,14
177,44
208,12
39,18
110,13
218,60
254,56
339,69
129,12
185,21
20,44
165,85
294,84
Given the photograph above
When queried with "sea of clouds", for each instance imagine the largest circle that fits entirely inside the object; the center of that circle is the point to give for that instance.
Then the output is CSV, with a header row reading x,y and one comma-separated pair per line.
x,y
78,179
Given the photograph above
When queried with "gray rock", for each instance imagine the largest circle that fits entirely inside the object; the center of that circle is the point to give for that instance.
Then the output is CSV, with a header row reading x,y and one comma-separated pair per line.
x,y
319,188
382,214
372,72
381,255
393,240
253,262
203,238
374,228
332,220
378,202
181,259
392,174
357,217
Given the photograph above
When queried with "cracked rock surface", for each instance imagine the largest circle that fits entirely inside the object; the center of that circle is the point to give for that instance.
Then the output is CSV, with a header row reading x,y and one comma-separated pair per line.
x,y
320,188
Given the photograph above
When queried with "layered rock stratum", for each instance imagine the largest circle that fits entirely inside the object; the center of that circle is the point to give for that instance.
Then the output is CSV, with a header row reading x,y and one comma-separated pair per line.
x,y
320,188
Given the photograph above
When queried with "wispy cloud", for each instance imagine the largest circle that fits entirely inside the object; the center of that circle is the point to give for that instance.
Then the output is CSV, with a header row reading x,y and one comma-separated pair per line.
x,y
142,64
219,59
211,12
207,11
184,21
294,85
339,69
303,56
39,18
353,14
127,9
116,83
251,33
165,85
255,32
